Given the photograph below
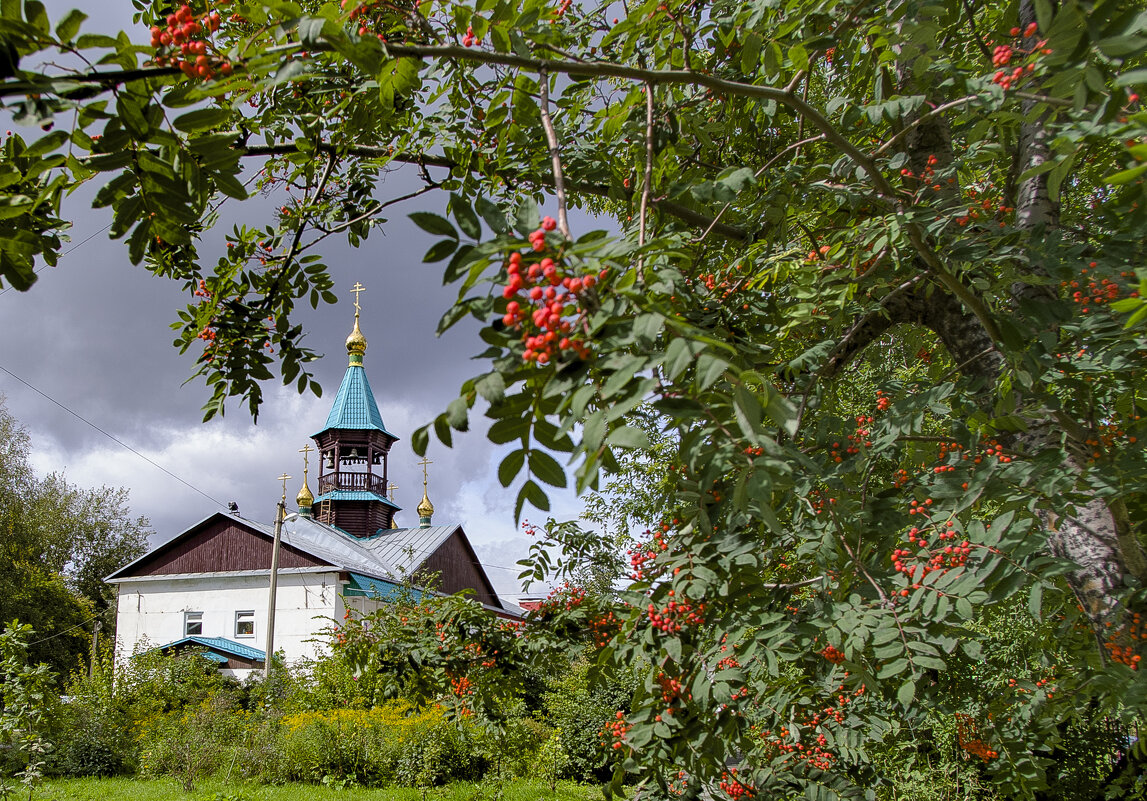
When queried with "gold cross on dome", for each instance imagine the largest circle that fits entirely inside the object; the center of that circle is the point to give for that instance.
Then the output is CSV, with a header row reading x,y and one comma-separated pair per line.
x,y
284,478
306,451
356,289
391,487
424,463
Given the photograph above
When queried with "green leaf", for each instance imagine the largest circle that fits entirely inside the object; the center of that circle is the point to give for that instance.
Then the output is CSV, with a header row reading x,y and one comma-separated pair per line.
x,y
511,466
457,414
547,468
440,250
467,219
906,693
709,369
628,437
433,224
1126,176
69,26
201,120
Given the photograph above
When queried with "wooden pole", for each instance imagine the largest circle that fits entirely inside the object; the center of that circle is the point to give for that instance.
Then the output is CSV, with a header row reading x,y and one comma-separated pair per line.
x,y
280,515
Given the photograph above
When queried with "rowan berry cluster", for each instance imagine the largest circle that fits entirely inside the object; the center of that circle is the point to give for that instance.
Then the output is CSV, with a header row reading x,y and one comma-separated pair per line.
x,y
565,597
643,556
882,401
671,689
186,44
1002,57
676,615
461,687
555,297
1091,290
1122,645
733,787
617,729
817,755
604,628
469,40
832,654
944,556
968,736
368,16
979,206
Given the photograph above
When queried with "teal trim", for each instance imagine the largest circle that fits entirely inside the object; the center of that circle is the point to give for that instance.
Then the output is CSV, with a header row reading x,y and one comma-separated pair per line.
x,y
354,407
356,495
379,589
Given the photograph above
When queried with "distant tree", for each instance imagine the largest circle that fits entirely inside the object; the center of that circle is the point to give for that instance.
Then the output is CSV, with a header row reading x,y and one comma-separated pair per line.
x,y
58,543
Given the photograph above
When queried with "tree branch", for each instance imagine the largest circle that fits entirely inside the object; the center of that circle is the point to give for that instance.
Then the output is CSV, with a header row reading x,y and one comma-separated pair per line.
x,y
555,154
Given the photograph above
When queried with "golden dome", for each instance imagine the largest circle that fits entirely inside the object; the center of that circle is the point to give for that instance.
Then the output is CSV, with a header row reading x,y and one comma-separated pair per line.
x,y
356,342
305,499
425,507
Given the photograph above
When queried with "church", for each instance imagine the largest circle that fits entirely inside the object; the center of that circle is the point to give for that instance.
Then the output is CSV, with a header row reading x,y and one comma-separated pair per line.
x,y
209,587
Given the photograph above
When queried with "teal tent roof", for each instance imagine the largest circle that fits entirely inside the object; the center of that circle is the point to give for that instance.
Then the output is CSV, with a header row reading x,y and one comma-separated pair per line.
x,y
219,648
354,407
378,589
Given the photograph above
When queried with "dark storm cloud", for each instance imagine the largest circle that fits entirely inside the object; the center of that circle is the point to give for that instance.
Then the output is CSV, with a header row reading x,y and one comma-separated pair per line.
x,y
94,334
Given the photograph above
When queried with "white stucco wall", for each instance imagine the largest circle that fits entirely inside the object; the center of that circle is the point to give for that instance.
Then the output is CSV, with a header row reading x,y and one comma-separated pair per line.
x,y
151,610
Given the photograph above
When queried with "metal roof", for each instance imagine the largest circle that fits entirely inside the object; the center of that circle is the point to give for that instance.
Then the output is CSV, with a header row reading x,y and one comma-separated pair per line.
x,y
354,406
405,549
213,644
392,555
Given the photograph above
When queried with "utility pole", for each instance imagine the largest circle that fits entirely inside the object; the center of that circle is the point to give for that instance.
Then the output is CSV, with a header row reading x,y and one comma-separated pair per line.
x,y
280,514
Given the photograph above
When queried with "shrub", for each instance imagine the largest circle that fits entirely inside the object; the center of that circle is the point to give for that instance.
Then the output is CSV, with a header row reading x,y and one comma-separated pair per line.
x,y
190,743
388,744
579,710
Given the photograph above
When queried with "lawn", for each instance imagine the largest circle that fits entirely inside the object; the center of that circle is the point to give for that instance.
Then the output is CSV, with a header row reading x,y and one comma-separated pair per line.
x,y
121,789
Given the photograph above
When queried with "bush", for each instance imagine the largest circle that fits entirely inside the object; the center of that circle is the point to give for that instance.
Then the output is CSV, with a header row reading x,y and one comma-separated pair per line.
x,y
191,743
386,745
579,711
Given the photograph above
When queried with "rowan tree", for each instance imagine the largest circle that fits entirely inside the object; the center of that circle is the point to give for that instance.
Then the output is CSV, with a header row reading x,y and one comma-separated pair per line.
x,y
950,193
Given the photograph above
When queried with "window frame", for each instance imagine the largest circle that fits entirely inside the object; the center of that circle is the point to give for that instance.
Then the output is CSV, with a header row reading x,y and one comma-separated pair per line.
x,y
191,618
245,616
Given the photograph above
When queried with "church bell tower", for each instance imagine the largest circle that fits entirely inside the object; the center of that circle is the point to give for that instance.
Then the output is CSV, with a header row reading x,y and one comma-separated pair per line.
x,y
353,447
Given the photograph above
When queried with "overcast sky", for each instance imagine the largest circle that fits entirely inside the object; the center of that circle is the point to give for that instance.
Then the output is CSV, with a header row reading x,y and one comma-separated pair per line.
x,y
94,335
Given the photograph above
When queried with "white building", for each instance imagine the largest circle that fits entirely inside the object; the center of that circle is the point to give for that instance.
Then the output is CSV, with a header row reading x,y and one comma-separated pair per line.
x,y
209,586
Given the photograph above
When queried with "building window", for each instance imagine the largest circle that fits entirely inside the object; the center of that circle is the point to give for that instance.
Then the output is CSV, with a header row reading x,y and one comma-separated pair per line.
x,y
192,624
245,624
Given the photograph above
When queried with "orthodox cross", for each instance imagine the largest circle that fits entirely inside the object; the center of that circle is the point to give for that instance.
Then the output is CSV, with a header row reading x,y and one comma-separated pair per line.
x,y
424,463
284,478
391,487
356,289
306,451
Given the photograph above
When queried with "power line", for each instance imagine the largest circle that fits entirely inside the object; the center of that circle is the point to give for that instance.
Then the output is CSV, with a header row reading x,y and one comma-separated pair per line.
x,y
6,290
62,633
114,439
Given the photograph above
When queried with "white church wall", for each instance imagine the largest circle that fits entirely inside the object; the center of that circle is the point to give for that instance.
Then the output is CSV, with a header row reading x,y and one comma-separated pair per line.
x,y
153,611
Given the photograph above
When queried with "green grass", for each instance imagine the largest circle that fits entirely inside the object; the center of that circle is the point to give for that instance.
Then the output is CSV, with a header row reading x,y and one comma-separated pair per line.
x,y
121,789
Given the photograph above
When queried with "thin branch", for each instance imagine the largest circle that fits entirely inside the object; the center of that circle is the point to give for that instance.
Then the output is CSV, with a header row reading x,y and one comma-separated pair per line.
x,y
793,585
757,175
975,33
647,182
683,213
555,154
923,118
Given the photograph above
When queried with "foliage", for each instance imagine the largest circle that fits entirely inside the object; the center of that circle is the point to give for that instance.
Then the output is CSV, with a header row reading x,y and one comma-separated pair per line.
x,y
58,543
25,692
862,269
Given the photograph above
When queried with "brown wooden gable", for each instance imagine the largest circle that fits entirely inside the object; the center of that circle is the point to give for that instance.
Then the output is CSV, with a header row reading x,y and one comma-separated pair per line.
x,y
459,569
219,544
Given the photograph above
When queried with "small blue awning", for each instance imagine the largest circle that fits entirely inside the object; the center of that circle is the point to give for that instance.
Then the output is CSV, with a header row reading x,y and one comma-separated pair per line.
x,y
219,649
